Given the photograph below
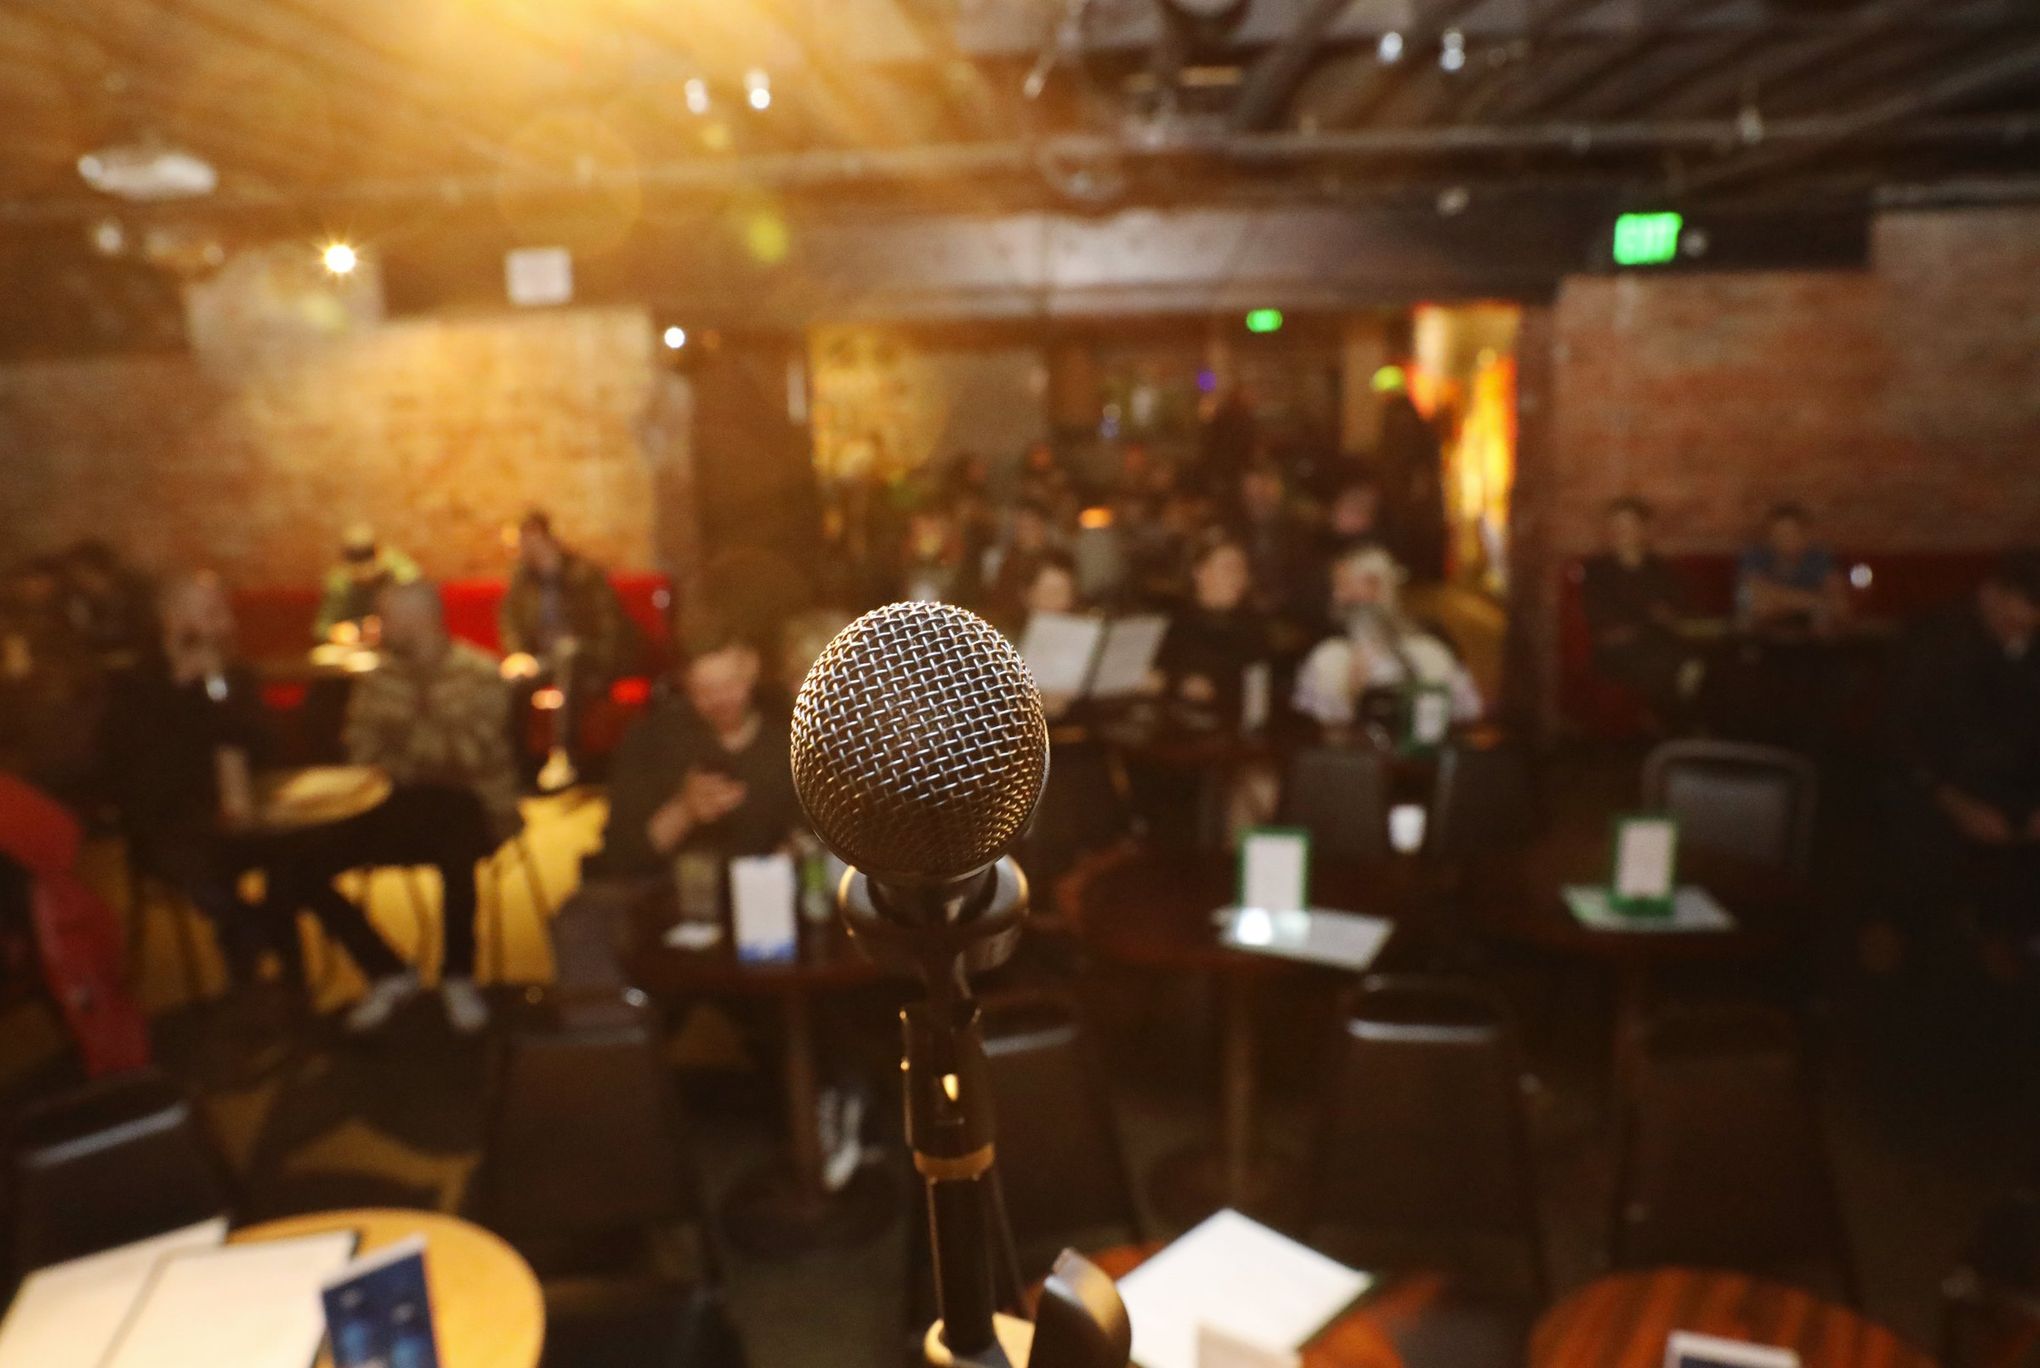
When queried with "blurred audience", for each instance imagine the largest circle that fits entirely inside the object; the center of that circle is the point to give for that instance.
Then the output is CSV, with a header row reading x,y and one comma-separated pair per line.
x,y
353,587
431,715
705,769
1634,603
562,629
1215,639
1377,649
1787,585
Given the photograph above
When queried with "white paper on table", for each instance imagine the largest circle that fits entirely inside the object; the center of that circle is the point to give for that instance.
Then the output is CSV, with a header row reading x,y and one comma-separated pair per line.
x,y
251,1305
1693,909
1644,850
1685,1349
66,1315
762,893
1343,940
1059,649
1127,655
1218,1349
1275,870
1240,1278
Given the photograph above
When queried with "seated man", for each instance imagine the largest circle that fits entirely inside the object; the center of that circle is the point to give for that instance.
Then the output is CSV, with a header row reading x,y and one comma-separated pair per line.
x,y
1965,727
187,718
1786,585
561,625
1633,603
1379,648
705,770
366,568
432,717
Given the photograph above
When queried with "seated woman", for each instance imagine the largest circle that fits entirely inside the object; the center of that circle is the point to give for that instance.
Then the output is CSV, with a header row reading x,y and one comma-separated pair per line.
x,y
1210,646
1379,648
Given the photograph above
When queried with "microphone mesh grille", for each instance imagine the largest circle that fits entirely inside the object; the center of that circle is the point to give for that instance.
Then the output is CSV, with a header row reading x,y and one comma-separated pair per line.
x,y
919,744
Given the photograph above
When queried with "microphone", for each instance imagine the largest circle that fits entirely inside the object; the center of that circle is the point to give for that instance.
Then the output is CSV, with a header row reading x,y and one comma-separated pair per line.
x,y
919,753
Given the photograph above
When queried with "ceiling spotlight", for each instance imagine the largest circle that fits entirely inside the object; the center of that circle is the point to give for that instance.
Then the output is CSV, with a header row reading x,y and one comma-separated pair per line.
x,y
340,258
1389,50
674,337
758,89
697,95
1453,55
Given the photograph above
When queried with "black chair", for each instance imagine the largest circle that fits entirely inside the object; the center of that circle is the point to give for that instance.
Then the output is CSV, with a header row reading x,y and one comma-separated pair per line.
x,y
118,1160
1485,801
1423,1164
1748,802
1061,1164
1063,1175
587,1171
1341,796
1990,1303
1723,1161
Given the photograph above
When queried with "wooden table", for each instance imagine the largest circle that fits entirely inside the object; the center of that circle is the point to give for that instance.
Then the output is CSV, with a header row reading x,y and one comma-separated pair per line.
x,y
1153,909
1623,1321
779,1208
487,1311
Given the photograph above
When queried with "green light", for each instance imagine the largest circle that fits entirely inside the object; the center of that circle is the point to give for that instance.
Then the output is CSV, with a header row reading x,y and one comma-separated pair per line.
x,y
1647,239
1264,320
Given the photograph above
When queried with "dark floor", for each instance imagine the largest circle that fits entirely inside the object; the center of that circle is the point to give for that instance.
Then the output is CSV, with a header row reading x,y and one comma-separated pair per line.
x,y
1930,1092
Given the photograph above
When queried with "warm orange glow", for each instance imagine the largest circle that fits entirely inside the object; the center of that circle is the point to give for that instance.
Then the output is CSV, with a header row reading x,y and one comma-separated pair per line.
x,y
340,258
549,700
1094,518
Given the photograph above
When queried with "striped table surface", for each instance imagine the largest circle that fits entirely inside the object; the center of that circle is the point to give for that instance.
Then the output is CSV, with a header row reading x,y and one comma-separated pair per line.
x,y
1622,1321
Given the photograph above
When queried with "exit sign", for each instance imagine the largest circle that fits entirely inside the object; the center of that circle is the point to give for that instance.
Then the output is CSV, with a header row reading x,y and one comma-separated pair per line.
x,y
1647,239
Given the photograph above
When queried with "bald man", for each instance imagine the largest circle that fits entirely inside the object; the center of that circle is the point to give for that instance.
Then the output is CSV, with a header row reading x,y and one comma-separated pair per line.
x,y
433,716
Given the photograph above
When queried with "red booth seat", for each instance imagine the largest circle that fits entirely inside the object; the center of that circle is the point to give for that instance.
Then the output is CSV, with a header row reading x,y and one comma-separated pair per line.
x,y
276,623
1890,585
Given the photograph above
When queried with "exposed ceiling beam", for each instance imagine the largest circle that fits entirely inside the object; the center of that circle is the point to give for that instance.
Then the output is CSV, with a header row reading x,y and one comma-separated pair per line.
x,y
1272,80
1724,83
1993,76
794,171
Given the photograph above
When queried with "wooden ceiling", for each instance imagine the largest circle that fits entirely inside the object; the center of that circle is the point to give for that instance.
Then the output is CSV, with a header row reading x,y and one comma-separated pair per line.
x,y
315,103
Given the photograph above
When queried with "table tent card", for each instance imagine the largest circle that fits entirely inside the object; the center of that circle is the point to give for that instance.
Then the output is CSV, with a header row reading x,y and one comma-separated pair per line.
x,y
1645,865
763,893
1275,869
379,1312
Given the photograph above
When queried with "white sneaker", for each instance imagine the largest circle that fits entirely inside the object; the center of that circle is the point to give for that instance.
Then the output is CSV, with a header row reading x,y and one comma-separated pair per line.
x,y
381,1001
558,773
466,1011
846,1146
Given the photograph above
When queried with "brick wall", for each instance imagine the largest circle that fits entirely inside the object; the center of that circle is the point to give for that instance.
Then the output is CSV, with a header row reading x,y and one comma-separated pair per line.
x,y
251,452
1901,404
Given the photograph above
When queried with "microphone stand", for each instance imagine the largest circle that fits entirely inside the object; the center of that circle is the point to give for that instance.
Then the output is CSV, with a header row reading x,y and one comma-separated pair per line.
x,y
943,933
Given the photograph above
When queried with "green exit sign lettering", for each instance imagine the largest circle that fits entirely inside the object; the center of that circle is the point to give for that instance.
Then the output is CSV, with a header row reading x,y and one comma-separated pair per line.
x,y
1647,239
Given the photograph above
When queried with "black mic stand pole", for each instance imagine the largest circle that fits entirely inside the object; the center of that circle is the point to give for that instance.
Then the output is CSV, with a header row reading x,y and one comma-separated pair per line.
x,y
943,933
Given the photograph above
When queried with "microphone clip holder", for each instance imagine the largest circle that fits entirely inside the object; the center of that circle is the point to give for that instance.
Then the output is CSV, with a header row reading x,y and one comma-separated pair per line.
x,y
943,933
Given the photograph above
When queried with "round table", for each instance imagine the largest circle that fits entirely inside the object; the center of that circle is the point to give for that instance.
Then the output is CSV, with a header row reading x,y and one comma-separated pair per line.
x,y
293,800
781,1207
1622,1321
1154,909
487,1311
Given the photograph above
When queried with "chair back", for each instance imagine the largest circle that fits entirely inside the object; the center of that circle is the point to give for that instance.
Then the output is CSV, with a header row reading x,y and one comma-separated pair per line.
x,y
1485,801
1423,1141
115,1161
1061,1164
1990,1312
1723,1161
1749,802
1340,794
584,1137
